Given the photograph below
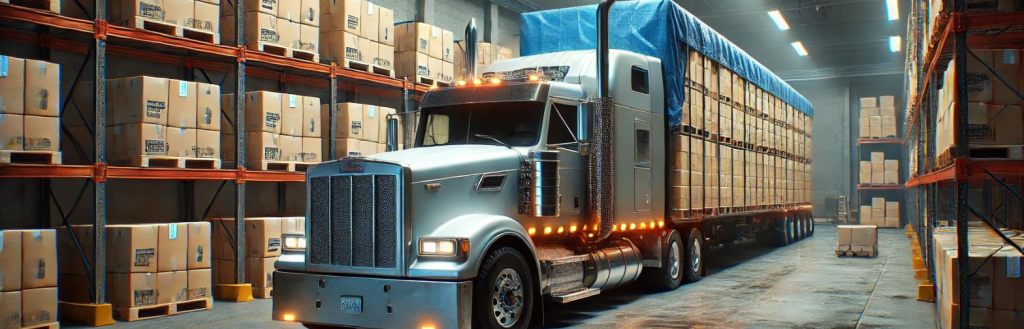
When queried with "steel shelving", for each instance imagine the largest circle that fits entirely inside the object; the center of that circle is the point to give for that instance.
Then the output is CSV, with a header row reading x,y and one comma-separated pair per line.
x,y
933,190
97,40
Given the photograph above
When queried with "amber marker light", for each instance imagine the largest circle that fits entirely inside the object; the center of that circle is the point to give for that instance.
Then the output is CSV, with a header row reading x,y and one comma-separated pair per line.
x,y
623,228
547,230
289,317
461,83
572,229
534,78
632,226
661,223
477,81
643,226
532,231
561,229
495,81
652,224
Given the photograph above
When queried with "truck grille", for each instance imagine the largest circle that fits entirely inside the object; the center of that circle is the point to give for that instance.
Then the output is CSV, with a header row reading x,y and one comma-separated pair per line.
x,y
354,221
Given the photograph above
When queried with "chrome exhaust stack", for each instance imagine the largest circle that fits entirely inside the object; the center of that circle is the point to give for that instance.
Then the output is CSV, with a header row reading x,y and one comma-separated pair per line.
x,y
471,59
601,163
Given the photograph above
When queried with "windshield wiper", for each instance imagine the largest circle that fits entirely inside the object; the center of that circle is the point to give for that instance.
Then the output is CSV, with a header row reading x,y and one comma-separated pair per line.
x,y
493,139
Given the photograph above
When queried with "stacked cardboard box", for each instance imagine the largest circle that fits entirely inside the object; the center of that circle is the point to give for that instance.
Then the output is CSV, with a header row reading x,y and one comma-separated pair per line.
x,y
153,116
149,264
879,170
200,15
487,54
424,51
362,129
265,238
880,213
996,284
878,117
28,278
281,26
278,127
30,107
861,240
357,30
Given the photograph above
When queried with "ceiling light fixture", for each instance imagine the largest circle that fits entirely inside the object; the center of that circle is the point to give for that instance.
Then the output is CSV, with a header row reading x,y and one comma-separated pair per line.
x,y
799,47
895,44
778,19
894,9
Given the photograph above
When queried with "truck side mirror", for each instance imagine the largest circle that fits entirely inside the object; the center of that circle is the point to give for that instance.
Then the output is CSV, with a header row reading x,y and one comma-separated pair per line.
x,y
584,115
392,133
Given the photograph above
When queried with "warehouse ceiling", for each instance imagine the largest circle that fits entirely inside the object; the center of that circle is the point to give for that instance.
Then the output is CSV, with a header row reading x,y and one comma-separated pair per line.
x,y
844,38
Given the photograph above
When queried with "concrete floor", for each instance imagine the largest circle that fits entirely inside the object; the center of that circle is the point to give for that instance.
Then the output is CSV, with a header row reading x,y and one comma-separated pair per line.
x,y
747,286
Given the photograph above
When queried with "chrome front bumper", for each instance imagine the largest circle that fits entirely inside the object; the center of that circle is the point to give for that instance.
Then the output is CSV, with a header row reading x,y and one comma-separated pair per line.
x,y
386,303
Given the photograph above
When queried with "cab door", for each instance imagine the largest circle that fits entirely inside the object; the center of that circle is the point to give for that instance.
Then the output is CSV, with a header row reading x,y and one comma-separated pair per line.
x,y
562,136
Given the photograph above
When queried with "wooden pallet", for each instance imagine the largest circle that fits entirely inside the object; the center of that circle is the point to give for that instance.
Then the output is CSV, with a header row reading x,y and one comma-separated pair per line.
x,y
153,25
30,157
850,253
162,310
161,161
279,165
306,55
51,325
270,48
48,5
263,293
369,68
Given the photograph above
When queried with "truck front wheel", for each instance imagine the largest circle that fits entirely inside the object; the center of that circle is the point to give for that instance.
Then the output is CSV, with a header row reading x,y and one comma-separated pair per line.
x,y
503,291
670,275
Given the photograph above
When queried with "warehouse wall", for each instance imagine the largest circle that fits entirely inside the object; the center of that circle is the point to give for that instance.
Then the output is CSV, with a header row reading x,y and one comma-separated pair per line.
x,y
454,15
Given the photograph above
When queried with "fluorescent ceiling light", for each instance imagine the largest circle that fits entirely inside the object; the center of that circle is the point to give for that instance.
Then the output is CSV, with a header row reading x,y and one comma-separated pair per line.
x,y
799,47
779,20
894,43
894,9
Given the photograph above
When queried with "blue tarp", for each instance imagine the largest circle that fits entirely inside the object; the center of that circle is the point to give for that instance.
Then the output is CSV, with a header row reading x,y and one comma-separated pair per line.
x,y
656,28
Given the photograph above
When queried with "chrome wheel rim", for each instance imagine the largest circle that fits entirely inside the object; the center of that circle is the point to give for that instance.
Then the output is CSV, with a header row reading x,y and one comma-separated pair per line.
x,y
695,256
673,260
507,301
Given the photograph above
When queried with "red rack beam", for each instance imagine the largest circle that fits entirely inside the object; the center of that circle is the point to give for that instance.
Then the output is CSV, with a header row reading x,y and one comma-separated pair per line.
x,y
880,187
80,171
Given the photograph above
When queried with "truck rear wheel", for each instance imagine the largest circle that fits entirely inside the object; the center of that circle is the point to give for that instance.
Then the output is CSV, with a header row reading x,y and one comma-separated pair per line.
x,y
810,224
503,291
670,275
801,227
781,232
694,256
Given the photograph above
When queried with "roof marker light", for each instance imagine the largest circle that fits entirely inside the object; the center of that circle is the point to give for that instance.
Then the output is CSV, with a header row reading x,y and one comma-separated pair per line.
x,y
799,47
477,81
779,20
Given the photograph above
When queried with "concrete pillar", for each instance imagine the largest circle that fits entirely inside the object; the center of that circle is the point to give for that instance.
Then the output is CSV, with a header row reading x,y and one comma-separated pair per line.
x,y
425,11
491,23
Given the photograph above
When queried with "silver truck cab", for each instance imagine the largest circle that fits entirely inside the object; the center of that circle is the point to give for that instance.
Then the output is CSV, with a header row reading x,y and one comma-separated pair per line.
x,y
398,240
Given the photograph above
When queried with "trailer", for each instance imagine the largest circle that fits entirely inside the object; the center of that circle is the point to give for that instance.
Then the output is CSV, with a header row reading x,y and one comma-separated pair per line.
x,y
569,171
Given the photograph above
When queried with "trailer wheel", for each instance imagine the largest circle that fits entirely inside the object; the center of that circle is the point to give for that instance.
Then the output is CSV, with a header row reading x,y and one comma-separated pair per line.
x,y
670,275
810,224
694,256
793,230
780,233
801,227
503,291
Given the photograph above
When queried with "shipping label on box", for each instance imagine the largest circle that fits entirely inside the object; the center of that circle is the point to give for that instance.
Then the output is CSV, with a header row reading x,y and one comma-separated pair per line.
x,y
309,13
385,58
200,284
386,30
199,253
208,110
41,133
261,27
208,144
291,114
263,112
207,17
369,26
182,101
263,146
42,88
38,306
348,147
181,142
311,122
172,244
126,290
139,99
131,248
312,149
12,85
171,287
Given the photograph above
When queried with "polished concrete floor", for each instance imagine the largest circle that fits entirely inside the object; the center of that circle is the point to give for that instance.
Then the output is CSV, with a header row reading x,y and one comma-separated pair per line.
x,y
747,286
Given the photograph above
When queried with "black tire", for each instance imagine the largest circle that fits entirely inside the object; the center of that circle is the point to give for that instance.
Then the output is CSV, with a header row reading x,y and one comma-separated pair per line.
x,y
693,254
801,227
780,232
810,224
486,291
794,232
669,276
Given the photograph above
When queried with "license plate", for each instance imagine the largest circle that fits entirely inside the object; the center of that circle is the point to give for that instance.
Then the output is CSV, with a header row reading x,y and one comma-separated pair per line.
x,y
352,304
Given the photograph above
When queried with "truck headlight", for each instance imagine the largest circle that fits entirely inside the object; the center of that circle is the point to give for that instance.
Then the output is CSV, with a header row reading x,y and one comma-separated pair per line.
x,y
443,246
294,242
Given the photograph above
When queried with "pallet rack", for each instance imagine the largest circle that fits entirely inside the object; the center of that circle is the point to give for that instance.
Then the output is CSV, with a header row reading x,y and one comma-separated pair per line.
x,y
887,190
933,191
96,39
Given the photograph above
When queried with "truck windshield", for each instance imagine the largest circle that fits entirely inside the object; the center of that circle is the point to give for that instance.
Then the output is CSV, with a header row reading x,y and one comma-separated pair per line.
x,y
512,123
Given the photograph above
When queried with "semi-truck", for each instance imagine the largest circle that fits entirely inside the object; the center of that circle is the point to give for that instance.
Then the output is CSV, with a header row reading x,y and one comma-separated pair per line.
x,y
555,176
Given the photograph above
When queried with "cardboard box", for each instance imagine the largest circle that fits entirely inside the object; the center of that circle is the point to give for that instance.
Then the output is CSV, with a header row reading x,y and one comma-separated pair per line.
x,y
10,260
172,247
181,142
309,13
864,178
367,50
263,237
381,148
12,85
980,81
138,99
291,148
291,115
414,37
312,149
179,12
38,259
207,17
485,54
259,27
309,38
436,42
447,72
208,111
447,46
412,64
126,290
887,131
261,272
341,46
42,88
263,6
892,165
865,128
293,225
436,70
38,306
263,112
386,30
289,33
12,131
892,222
1006,63
385,58
289,10
41,133
131,249
200,284
311,121
887,111
208,144
10,309
877,157
891,177
171,287
868,102
382,125
892,209
367,148
864,236
371,123
341,15
348,147
263,146
886,101
369,24
995,124
349,118
198,254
